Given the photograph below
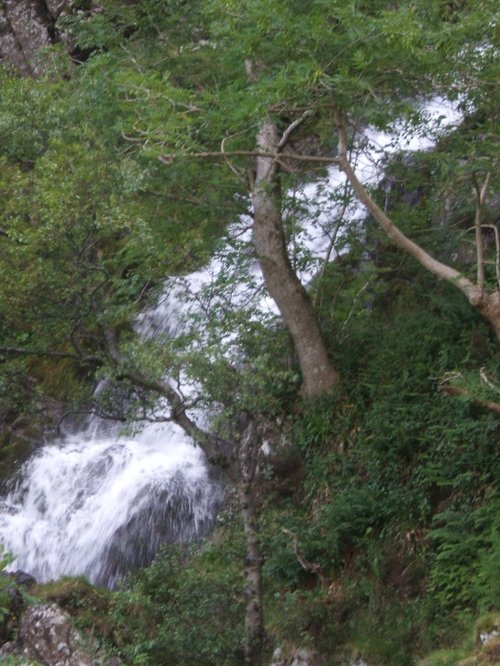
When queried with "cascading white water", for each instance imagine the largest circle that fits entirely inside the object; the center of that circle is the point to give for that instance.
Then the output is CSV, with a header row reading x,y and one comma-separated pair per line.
x,y
101,507
100,504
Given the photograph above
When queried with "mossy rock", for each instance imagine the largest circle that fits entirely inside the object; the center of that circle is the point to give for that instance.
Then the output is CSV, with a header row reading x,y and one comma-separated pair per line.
x,y
91,610
89,605
490,652
487,623
485,648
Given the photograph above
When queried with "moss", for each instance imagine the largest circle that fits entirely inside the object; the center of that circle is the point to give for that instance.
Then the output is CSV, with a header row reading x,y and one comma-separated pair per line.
x,y
15,448
444,658
473,651
488,622
55,379
89,605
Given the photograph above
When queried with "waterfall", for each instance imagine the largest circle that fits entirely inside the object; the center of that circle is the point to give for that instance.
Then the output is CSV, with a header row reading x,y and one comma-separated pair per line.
x,y
100,507
98,503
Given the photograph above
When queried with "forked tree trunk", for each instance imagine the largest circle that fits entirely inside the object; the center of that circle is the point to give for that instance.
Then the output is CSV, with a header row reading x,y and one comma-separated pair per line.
x,y
489,307
293,301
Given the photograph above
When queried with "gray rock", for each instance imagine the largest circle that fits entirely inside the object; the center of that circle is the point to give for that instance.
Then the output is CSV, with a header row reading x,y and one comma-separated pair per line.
x,y
46,635
296,657
486,636
25,27
303,657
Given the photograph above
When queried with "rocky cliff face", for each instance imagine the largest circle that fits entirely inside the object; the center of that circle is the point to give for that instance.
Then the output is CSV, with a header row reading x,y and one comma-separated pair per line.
x,y
28,25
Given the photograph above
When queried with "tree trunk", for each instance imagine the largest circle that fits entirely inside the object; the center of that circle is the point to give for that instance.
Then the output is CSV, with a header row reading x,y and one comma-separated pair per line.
x,y
254,620
245,473
292,300
489,307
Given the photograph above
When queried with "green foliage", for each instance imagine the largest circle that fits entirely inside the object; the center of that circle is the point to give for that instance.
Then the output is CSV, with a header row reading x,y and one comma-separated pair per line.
x,y
393,500
5,584
383,465
184,609
466,565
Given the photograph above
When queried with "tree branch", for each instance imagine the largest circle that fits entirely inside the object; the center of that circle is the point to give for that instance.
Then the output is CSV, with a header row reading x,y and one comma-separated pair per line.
x,y
473,292
168,158
307,565
485,404
21,351
213,446
291,129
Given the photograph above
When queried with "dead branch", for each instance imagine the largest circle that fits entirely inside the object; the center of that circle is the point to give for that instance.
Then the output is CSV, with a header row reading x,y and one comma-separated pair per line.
x,y
291,129
463,393
237,172
486,380
307,565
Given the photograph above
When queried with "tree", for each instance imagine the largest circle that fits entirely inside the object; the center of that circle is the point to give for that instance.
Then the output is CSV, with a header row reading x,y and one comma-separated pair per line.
x,y
289,52
194,138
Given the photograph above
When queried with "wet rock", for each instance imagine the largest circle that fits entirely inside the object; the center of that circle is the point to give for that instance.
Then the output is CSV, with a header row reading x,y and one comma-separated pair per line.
x,y
46,635
24,579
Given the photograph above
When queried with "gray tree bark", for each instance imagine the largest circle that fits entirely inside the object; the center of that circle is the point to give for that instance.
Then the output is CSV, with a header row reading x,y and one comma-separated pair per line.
x,y
294,304
249,448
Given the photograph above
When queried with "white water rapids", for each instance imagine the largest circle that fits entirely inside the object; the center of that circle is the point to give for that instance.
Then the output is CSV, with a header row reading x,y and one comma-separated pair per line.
x,y
99,503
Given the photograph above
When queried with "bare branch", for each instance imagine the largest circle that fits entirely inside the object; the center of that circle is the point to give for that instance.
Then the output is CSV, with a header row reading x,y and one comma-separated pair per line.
x,y
21,351
237,172
292,127
307,565
486,404
440,270
168,158
486,380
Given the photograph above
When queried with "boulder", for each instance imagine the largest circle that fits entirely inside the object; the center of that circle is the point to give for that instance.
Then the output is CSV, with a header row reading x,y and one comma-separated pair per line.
x,y
47,636
25,27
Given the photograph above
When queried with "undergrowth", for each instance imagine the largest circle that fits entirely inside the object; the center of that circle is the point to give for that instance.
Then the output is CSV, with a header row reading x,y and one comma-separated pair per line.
x,y
390,494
